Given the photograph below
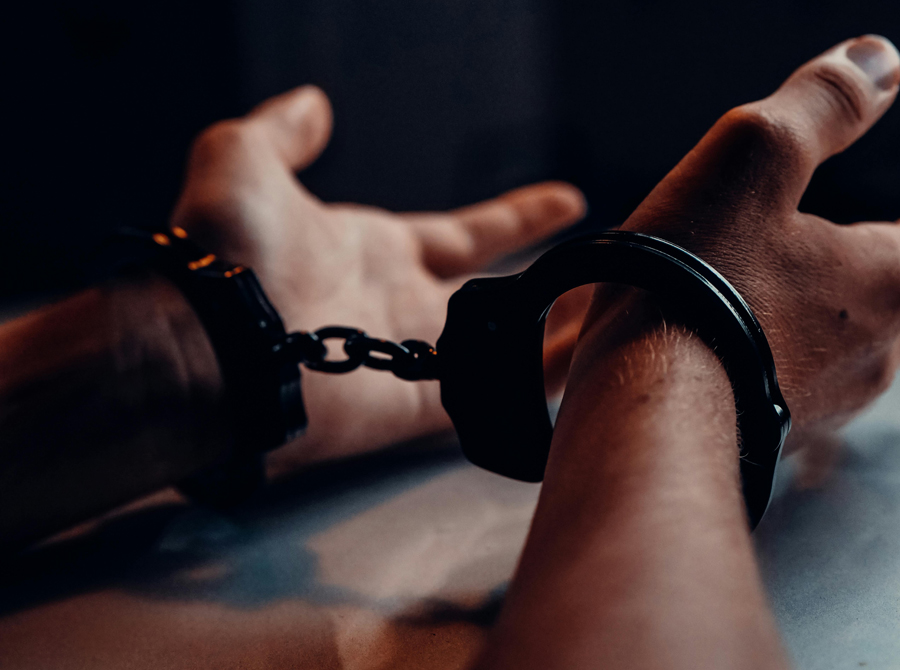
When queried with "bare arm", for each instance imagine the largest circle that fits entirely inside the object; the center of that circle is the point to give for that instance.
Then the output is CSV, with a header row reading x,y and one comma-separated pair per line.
x,y
116,393
640,555
104,397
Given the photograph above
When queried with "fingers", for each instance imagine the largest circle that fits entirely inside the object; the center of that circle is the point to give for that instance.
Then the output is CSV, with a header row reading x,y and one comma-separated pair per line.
x,y
297,123
246,165
229,157
871,254
834,99
766,151
467,239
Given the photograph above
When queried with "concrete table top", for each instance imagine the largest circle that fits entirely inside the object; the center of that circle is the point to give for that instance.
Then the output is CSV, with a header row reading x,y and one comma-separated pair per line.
x,y
400,560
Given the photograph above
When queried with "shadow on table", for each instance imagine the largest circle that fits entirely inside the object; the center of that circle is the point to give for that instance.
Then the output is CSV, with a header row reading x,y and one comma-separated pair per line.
x,y
828,557
249,558
856,511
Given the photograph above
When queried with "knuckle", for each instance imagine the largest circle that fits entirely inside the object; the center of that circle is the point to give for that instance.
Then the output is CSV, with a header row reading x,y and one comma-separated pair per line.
x,y
874,358
882,375
758,131
878,262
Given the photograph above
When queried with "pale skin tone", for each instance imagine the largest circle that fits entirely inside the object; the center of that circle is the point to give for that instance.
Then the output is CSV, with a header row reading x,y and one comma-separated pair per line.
x,y
389,275
128,364
639,555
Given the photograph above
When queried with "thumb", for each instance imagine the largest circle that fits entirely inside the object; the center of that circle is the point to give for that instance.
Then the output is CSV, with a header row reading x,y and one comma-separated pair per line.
x,y
297,123
834,99
766,151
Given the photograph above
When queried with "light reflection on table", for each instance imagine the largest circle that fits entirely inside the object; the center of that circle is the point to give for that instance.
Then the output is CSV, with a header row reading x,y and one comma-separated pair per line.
x,y
400,560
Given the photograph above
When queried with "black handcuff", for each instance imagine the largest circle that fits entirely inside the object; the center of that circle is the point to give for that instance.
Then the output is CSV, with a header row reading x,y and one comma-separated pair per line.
x,y
488,358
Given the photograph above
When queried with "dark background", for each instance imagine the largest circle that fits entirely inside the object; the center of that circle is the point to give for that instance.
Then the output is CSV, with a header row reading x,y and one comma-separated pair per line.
x,y
437,103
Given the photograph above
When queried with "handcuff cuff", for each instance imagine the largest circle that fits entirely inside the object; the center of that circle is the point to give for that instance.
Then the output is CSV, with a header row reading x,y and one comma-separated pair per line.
x,y
488,358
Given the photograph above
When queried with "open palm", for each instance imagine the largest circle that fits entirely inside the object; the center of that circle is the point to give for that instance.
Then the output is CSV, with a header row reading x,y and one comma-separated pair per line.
x,y
337,264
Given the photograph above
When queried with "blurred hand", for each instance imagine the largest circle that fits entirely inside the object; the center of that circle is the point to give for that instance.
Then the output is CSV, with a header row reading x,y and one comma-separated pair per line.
x,y
321,264
828,296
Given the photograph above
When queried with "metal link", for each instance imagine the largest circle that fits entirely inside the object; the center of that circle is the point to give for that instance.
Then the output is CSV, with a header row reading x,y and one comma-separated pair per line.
x,y
411,359
303,347
364,346
422,365
353,360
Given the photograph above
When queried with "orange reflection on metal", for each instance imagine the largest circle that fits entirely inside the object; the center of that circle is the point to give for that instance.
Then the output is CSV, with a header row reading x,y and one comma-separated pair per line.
x,y
179,232
236,270
202,262
162,240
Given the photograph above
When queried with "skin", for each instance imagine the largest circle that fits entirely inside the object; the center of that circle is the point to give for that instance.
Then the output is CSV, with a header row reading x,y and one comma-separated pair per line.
x,y
827,296
104,397
639,554
323,264
116,393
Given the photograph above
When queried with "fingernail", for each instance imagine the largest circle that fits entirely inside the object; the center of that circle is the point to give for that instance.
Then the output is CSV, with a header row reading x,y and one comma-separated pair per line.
x,y
878,58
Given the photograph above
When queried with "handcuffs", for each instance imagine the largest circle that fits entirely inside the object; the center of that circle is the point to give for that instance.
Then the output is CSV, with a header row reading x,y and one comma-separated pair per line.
x,y
488,358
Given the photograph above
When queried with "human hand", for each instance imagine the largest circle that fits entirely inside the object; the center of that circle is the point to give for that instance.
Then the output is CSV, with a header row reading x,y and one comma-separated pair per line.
x,y
827,296
322,264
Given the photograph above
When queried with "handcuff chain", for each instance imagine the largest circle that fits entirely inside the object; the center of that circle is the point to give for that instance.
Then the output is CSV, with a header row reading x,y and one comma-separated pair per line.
x,y
411,359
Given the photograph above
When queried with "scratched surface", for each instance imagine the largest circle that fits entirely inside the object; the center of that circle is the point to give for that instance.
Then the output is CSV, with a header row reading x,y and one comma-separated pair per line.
x,y
400,561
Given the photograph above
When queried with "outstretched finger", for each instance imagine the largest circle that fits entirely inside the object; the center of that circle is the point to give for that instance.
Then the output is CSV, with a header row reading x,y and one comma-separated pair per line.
x,y
466,239
764,153
297,124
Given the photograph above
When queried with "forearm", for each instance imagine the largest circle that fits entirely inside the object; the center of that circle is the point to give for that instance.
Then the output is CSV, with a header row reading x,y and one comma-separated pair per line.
x,y
639,554
104,397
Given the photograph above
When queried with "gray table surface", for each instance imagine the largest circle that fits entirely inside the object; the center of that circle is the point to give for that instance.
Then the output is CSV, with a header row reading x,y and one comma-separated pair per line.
x,y
401,559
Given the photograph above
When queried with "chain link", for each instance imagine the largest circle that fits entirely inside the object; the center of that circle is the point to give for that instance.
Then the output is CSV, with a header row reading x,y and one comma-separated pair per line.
x,y
411,359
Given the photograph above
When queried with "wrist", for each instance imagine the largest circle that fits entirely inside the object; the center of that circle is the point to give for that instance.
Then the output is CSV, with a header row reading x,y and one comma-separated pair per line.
x,y
643,392
108,396
627,330
641,496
